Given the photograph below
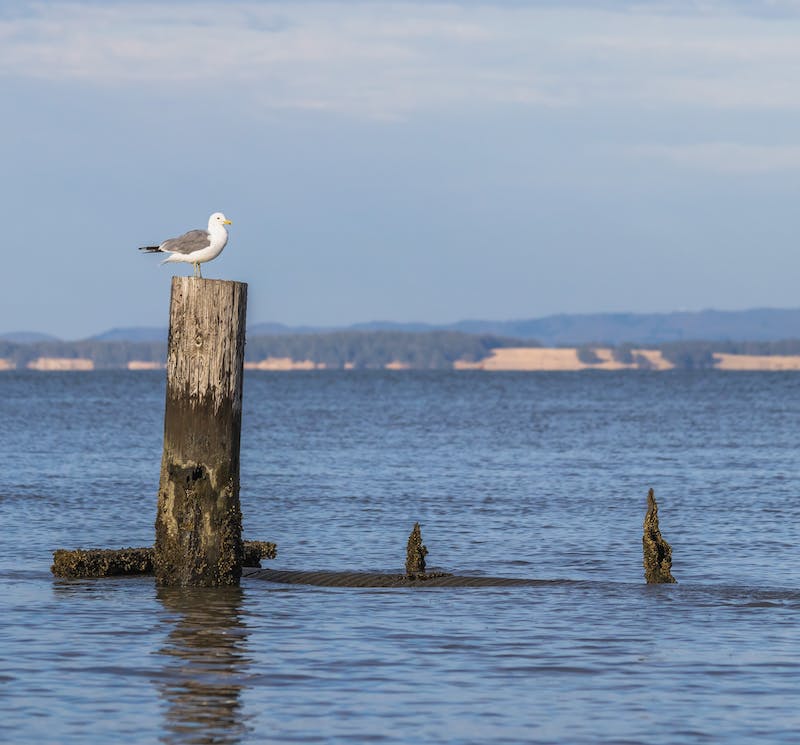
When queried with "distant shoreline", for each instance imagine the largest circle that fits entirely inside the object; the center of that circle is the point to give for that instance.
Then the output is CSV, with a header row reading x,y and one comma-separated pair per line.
x,y
501,359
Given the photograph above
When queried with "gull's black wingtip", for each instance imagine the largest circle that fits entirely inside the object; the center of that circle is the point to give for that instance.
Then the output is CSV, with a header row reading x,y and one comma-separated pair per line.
x,y
150,249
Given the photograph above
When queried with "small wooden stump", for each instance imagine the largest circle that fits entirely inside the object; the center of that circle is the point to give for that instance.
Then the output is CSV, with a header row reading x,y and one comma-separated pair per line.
x,y
199,520
254,551
415,553
415,560
657,552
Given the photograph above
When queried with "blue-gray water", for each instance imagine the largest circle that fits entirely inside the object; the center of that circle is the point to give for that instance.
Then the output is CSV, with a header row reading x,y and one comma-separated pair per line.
x,y
531,475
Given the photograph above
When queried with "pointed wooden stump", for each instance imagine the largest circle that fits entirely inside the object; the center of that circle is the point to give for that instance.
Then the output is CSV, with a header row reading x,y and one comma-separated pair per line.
x,y
199,521
657,552
415,553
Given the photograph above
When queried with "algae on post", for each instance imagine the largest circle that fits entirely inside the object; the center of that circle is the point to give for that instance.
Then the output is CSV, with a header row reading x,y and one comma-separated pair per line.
x,y
657,552
83,563
103,562
415,553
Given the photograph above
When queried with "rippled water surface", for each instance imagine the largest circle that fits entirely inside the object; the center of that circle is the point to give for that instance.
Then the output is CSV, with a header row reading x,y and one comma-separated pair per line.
x,y
521,475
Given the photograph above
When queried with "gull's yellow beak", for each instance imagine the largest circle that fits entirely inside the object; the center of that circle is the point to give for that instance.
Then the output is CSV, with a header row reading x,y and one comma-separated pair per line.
x,y
227,222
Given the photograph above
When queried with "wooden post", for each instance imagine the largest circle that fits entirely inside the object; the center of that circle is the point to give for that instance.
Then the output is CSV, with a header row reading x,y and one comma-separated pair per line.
x,y
199,521
415,553
657,552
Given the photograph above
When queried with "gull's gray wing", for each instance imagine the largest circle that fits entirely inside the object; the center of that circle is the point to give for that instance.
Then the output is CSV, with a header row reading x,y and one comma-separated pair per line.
x,y
194,240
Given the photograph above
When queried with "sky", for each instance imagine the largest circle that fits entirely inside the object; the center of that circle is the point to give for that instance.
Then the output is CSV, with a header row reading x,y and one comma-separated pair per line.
x,y
404,161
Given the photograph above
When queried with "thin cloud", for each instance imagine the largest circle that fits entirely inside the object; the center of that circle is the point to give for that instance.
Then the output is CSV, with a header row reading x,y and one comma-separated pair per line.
x,y
385,60
725,157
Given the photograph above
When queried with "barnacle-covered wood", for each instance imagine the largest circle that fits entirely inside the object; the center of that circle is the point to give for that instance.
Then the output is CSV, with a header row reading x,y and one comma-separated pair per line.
x,y
657,552
415,559
199,520
102,562
99,562
415,552
255,550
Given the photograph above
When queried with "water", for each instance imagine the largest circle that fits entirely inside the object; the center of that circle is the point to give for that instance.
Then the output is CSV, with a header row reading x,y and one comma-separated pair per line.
x,y
528,475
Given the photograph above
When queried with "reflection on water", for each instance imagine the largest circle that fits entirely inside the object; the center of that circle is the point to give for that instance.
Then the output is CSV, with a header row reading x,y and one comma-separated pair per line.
x,y
205,666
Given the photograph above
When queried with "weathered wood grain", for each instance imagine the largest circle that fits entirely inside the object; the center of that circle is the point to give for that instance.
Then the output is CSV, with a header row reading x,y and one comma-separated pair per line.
x,y
198,525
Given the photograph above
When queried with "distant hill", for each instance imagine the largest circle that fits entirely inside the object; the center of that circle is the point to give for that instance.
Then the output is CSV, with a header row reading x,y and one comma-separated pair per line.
x,y
756,325
761,324
280,329
415,328
132,333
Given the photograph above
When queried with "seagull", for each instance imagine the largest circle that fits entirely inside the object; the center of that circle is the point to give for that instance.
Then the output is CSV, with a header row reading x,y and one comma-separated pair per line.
x,y
196,246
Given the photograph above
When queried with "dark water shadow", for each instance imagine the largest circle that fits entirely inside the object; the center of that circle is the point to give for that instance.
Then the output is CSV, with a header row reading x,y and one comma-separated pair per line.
x,y
206,666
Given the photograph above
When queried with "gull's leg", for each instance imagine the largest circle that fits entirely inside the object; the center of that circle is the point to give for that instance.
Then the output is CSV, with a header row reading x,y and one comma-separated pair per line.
x,y
199,272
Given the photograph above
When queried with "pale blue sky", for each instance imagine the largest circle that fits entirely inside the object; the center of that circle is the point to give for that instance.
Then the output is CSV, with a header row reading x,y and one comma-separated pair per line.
x,y
406,161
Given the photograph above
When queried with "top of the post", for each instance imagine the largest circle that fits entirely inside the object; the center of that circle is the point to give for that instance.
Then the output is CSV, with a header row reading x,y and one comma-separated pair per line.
x,y
199,283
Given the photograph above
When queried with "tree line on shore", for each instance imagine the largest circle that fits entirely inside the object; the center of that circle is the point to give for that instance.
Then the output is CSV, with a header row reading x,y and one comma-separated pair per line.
x,y
428,350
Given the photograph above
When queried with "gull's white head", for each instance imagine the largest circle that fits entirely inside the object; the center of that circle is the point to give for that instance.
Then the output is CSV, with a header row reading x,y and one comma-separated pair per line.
x,y
218,219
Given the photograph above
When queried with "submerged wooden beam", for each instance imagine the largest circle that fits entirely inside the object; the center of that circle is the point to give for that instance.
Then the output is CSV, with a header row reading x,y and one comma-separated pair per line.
x,y
657,552
102,562
199,520
377,579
